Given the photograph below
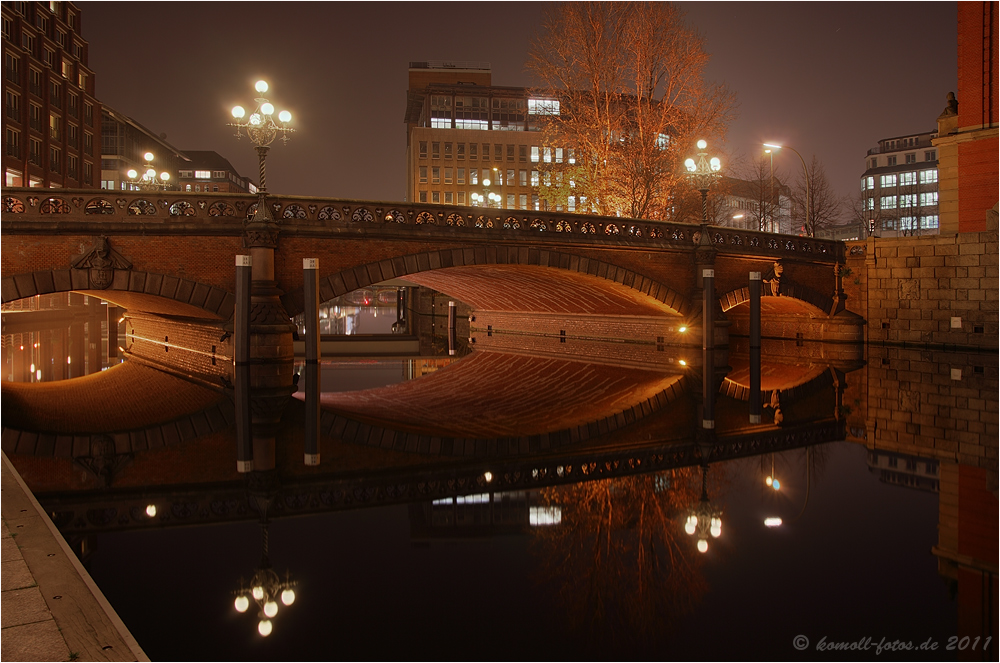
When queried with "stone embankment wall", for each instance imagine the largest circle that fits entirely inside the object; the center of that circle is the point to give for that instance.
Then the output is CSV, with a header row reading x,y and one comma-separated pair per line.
x,y
935,291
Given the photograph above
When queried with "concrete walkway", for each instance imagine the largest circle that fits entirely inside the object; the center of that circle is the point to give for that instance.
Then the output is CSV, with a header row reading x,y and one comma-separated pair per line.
x,y
51,610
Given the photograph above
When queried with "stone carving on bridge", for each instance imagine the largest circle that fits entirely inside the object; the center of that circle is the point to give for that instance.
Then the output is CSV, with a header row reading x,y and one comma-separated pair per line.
x,y
775,280
101,261
104,461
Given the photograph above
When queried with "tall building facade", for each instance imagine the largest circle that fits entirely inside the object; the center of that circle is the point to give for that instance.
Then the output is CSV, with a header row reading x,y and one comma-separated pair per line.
x,y
208,171
900,186
466,136
52,121
967,135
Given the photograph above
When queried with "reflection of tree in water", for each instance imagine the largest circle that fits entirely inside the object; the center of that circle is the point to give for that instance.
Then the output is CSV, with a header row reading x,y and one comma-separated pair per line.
x,y
620,555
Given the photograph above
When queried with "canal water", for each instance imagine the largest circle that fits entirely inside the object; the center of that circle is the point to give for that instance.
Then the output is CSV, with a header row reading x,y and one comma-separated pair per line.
x,y
639,536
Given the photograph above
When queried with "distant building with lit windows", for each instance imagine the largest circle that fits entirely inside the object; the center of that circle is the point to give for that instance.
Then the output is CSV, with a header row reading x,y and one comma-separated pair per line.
x,y
52,121
463,131
900,186
207,171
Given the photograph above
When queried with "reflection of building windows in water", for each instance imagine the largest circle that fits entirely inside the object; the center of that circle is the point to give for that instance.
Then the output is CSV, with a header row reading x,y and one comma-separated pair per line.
x,y
544,515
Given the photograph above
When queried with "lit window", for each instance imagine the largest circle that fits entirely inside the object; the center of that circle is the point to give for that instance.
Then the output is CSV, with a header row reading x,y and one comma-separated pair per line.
x,y
929,198
466,123
559,155
473,176
543,106
523,201
510,201
928,176
534,154
534,178
888,202
203,174
871,182
907,223
571,204
544,515
906,179
908,200
547,155
888,180
929,222
522,178
440,123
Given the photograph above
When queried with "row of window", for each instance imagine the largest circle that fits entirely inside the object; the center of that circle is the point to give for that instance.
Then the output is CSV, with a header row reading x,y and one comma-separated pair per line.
x,y
511,200
12,99
926,222
41,20
13,141
929,155
911,178
500,152
486,176
904,201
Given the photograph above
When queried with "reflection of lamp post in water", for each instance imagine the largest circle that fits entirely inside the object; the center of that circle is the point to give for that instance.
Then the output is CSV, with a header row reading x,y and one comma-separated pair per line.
x,y
705,519
772,482
265,587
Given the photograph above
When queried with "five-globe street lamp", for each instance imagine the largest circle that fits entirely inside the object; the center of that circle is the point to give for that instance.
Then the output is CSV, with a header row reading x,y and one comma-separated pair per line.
x,y
261,128
805,172
266,589
702,173
148,179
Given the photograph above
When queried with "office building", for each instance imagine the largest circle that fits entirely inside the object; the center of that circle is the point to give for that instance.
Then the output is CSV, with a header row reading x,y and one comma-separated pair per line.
x,y
52,127
900,186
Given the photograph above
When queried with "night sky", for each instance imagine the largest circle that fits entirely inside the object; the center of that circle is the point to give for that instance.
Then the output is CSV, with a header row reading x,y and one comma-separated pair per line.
x,y
829,79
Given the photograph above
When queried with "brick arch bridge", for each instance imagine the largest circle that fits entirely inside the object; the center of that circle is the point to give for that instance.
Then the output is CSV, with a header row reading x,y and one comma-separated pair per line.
x,y
173,253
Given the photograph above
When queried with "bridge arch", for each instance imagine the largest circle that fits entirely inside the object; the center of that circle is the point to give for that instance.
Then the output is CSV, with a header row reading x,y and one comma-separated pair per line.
x,y
497,258
799,299
129,288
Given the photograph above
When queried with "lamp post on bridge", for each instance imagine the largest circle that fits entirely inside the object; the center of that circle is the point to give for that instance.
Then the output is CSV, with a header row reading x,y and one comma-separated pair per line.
x,y
261,129
148,180
703,174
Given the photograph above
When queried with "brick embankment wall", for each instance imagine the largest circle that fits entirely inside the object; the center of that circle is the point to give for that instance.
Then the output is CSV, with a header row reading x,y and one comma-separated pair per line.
x,y
934,291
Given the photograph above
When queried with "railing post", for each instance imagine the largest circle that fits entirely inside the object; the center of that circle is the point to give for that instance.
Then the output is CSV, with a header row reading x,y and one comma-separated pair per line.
x,y
241,357
755,397
310,275
452,341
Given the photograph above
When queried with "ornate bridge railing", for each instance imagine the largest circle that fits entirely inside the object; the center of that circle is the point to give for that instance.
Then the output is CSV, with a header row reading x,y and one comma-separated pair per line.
x,y
34,210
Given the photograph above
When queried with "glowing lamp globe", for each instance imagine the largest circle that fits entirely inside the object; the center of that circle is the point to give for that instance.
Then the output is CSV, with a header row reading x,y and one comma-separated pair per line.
x,y
702,144
257,592
715,163
260,86
241,603
285,116
270,609
256,119
132,173
267,109
148,156
238,112
690,165
288,597
164,176
264,627
486,182
151,510
150,174
702,545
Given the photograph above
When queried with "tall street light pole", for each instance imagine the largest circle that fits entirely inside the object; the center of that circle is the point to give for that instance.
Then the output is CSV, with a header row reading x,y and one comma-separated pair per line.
x,y
805,171
703,174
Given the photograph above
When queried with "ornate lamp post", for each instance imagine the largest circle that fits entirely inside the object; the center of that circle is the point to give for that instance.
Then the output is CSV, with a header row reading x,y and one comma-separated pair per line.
x,y
705,519
148,181
261,128
703,172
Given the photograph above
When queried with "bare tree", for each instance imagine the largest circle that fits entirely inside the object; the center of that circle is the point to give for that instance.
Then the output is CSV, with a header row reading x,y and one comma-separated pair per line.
x,y
825,207
760,190
861,209
629,80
